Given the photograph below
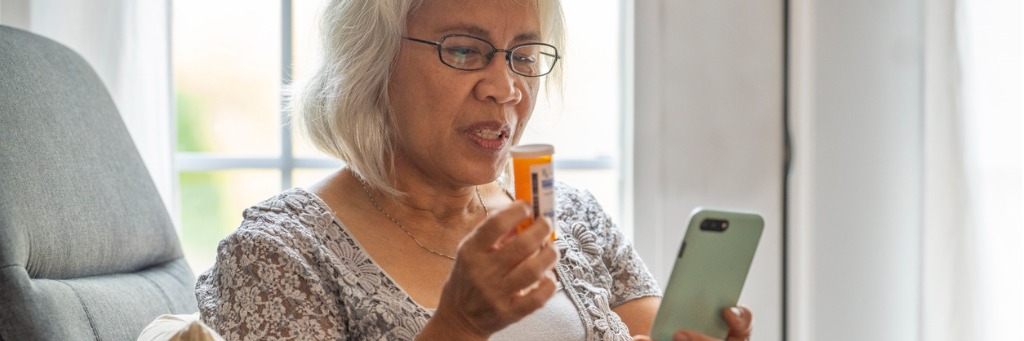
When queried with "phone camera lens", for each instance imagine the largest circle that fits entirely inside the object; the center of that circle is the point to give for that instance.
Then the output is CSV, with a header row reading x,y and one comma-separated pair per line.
x,y
714,225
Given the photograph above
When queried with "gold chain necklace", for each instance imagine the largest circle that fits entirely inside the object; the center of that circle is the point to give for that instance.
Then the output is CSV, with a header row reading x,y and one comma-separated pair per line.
x,y
393,220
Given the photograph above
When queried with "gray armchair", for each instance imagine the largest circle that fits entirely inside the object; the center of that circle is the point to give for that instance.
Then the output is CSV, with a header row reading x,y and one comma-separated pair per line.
x,y
87,249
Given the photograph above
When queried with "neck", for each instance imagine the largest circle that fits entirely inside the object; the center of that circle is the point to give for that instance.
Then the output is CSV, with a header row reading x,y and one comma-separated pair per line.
x,y
431,204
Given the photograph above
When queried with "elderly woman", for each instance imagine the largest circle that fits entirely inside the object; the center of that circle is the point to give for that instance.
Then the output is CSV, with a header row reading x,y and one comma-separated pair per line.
x,y
416,237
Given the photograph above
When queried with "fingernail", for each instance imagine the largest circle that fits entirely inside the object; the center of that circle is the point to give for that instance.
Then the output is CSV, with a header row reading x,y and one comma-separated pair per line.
x,y
680,337
736,311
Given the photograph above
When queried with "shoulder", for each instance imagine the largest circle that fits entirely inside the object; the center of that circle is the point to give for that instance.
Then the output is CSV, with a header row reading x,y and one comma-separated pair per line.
x,y
292,222
270,262
288,214
277,239
582,223
567,195
292,204
567,191
575,204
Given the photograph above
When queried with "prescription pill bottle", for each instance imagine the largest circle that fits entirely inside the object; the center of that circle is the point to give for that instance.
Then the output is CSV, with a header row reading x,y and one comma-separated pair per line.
x,y
534,178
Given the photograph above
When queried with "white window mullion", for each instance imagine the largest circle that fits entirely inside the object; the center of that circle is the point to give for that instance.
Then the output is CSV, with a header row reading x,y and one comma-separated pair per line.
x,y
287,159
196,162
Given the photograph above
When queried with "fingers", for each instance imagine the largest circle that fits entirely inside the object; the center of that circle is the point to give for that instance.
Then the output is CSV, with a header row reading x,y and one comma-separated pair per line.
x,y
525,243
524,258
501,275
689,335
532,269
533,299
738,318
740,322
497,235
498,224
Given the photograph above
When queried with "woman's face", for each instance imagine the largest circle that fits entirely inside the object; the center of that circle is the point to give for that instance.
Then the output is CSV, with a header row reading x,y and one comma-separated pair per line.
x,y
456,126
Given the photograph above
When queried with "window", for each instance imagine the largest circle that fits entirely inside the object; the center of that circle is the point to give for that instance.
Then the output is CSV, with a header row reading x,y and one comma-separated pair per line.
x,y
231,58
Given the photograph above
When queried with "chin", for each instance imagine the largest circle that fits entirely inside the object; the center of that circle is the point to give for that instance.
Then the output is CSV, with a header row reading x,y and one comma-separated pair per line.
x,y
485,174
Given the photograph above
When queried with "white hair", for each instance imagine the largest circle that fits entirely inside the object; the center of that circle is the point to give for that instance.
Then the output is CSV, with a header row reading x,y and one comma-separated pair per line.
x,y
343,106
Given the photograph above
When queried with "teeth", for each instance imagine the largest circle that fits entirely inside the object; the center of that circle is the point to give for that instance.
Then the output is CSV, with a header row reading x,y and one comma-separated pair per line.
x,y
488,134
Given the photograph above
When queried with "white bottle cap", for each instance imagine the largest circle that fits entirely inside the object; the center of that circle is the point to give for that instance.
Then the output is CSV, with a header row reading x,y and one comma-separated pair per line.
x,y
532,150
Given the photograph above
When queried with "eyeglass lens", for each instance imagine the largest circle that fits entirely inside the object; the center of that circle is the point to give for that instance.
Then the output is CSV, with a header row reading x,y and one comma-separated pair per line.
x,y
468,53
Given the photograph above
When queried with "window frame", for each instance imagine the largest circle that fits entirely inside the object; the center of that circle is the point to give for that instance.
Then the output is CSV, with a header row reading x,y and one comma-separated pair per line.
x,y
287,163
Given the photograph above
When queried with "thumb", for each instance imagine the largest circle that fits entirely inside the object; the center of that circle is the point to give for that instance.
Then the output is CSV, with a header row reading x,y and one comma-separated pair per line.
x,y
497,226
740,322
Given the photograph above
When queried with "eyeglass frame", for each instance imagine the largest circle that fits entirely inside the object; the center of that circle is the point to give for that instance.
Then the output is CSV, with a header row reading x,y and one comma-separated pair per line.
x,y
494,50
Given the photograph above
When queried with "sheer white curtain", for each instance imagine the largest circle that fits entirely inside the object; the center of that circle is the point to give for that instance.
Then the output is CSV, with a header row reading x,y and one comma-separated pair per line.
x,y
906,198
973,271
127,43
991,57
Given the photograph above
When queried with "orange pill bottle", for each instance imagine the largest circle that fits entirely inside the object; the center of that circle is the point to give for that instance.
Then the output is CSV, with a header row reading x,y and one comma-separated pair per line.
x,y
534,178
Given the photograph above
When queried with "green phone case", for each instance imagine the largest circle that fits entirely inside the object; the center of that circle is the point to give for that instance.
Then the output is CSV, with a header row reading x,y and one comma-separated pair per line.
x,y
710,269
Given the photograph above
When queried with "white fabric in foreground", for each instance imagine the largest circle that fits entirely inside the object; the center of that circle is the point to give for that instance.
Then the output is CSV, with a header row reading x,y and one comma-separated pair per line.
x,y
169,327
557,320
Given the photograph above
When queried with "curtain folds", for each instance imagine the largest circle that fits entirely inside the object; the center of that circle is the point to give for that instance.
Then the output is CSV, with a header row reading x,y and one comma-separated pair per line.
x,y
948,252
973,266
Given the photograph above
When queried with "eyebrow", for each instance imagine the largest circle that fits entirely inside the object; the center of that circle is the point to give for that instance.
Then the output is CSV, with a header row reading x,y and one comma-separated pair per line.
x,y
484,33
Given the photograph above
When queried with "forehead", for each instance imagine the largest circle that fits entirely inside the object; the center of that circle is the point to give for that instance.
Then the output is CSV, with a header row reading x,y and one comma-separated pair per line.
x,y
497,20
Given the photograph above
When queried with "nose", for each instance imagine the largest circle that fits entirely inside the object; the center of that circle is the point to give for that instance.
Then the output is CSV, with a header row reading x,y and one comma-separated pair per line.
x,y
498,82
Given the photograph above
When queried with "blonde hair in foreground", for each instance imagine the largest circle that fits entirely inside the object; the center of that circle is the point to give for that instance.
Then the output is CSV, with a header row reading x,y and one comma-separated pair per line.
x,y
343,106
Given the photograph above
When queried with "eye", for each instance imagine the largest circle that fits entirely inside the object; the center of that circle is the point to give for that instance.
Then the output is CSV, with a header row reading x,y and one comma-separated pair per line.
x,y
461,51
524,59
463,56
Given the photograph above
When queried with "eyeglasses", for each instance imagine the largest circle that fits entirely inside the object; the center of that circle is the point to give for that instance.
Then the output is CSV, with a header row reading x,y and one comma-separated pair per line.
x,y
470,53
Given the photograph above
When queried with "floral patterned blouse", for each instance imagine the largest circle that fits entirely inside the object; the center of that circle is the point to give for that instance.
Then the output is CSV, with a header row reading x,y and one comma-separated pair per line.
x,y
291,271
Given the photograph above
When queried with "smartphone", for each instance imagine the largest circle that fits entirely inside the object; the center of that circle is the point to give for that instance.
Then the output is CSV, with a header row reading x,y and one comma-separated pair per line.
x,y
710,269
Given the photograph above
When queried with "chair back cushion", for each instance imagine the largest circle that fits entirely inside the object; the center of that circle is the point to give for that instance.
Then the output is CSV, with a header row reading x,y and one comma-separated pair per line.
x,y
87,249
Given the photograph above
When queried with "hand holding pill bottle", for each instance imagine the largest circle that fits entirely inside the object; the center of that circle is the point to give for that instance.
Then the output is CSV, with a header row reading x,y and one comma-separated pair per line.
x,y
534,178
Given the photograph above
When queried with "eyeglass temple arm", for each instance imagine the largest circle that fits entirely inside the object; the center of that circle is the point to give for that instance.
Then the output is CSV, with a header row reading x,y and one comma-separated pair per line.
x,y
551,55
423,41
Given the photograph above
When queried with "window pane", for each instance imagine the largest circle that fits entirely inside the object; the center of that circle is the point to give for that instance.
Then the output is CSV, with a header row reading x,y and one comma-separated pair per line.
x,y
211,208
307,47
603,183
586,122
305,16
226,61
305,177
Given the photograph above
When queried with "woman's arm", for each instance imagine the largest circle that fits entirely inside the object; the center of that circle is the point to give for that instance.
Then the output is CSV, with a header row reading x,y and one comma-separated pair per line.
x,y
638,314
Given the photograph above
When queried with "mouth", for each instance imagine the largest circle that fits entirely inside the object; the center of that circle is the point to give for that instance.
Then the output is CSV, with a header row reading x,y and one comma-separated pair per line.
x,y
489,135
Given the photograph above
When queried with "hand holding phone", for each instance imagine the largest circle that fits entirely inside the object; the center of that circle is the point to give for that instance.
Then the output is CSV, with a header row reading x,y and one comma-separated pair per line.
x,y
709,272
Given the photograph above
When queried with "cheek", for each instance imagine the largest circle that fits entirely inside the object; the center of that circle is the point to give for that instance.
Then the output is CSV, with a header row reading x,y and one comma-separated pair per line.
x,y
412,103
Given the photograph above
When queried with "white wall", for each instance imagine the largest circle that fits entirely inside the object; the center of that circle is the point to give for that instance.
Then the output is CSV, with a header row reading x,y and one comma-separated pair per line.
x,y
857,94
708,131
14,13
